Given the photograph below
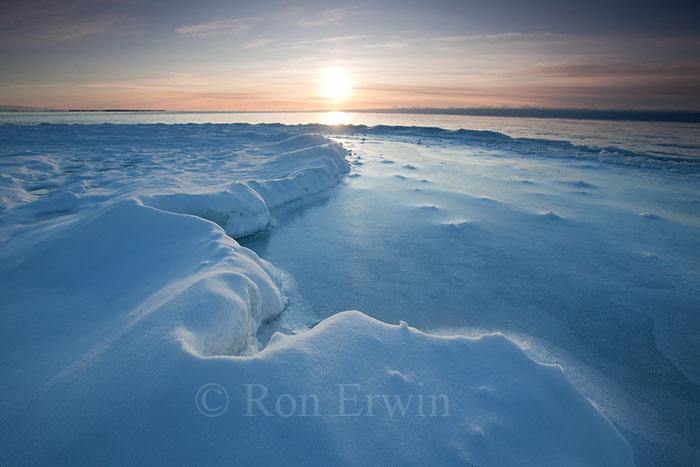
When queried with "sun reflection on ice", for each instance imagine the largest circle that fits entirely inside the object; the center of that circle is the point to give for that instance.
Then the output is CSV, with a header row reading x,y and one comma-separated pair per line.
x,y
335,118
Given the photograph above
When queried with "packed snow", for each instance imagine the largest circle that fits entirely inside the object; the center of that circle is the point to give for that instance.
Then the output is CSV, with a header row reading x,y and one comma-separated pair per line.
x,y
136,328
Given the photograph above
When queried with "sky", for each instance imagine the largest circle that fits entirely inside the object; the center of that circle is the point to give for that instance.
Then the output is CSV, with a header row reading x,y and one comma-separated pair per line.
x,y
326,55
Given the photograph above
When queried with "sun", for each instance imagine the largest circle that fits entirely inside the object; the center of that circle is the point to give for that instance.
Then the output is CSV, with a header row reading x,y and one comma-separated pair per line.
x,y
335,84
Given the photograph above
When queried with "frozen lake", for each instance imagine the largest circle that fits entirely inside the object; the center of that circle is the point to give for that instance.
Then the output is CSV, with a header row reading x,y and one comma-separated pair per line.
x,y
582,247
659,139
591,265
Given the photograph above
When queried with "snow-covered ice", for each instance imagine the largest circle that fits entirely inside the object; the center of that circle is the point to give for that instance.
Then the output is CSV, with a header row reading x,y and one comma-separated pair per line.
x,y
124,293
229,175
543,241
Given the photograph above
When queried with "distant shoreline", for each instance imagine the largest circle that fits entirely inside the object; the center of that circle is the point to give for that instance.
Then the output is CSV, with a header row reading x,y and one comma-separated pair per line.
x,y
676,116
668,116
79,110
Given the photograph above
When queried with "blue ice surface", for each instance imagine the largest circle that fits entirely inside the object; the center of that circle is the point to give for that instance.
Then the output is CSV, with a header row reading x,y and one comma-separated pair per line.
x,y
590,259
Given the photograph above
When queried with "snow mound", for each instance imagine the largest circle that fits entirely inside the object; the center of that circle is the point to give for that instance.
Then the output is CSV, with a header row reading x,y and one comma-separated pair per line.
x,y
549,215
350,388
504,408
114,267
305,165
239,209
649,215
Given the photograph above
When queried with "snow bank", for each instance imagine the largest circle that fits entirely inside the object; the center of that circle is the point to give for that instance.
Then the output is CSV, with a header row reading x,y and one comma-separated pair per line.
x,y
239,209
243,208
500,407
101,273
83,213
230,174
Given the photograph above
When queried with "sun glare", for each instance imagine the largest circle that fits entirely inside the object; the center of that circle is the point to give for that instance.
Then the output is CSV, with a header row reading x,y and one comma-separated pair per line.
x,y
335,85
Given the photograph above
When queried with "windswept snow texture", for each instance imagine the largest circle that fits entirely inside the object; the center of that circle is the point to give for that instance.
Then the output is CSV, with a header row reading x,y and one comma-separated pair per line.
x,y
585,257
122,298
229,174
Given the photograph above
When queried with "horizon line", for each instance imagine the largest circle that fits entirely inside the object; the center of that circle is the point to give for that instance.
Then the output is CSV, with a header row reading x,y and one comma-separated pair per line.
x,y
658,115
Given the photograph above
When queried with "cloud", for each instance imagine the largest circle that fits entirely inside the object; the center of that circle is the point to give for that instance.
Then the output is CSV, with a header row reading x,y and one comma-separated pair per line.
x,y
616,69
38,22
389,45
501,36
212,28
258,43
332,15
31,86
326,40
75,31
305,44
